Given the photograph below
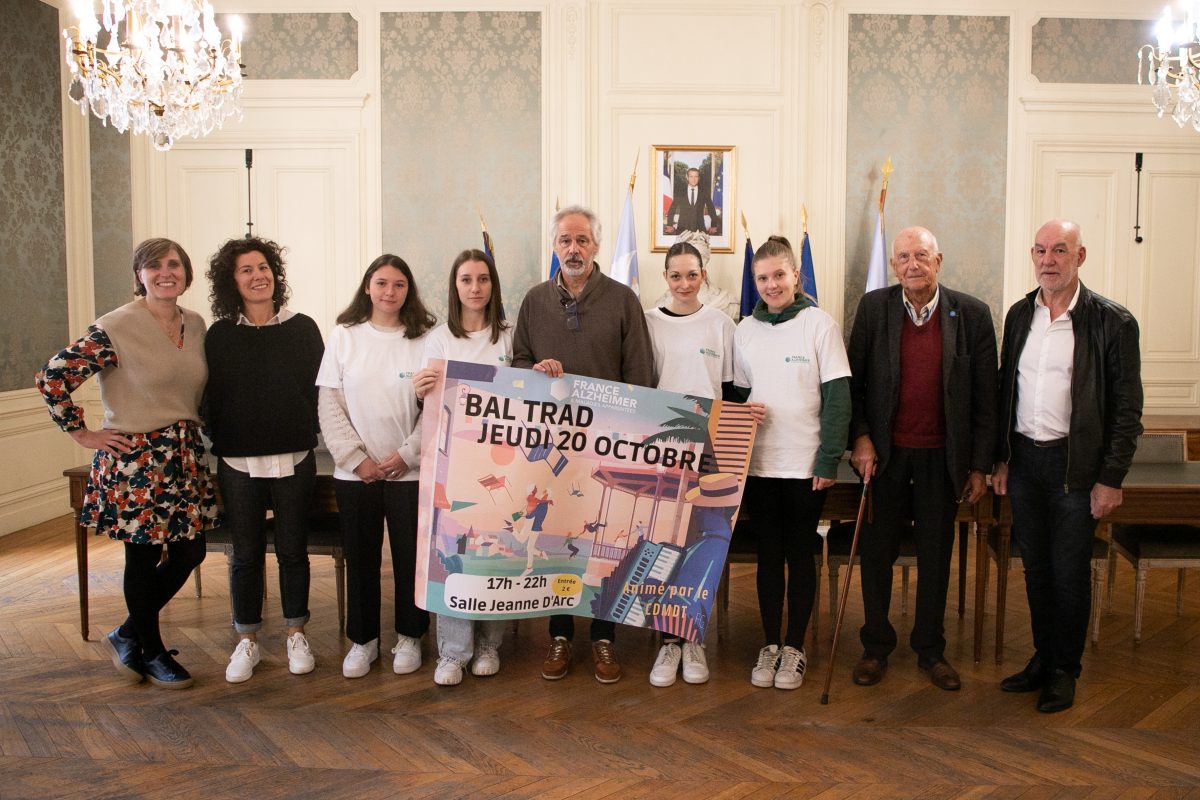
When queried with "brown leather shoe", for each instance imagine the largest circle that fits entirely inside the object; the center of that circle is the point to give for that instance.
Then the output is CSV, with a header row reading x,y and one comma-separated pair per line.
x,y
558,659
943,676
869,671
608,669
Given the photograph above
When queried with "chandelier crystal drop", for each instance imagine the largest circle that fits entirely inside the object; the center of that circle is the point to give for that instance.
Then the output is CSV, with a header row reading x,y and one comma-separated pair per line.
x,y
1172,66
164,70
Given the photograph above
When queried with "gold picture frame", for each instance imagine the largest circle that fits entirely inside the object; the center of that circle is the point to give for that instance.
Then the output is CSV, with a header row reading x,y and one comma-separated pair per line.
x,y
672,206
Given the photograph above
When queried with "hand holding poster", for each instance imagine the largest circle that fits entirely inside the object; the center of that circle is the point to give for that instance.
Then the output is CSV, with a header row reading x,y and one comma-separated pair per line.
x,y
574,495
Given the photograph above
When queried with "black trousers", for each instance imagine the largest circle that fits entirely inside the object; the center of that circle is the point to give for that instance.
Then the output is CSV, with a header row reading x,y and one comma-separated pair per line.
x,y
784,513
362,510
915,481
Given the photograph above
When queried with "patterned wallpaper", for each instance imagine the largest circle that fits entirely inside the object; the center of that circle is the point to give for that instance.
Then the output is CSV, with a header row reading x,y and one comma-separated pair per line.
x,y
1088,50
297,46
461,101
33,261
931,92
112,217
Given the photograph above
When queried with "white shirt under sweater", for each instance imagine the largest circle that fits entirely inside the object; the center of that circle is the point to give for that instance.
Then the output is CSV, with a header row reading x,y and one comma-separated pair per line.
x,y
373,369
693,354
476,347
784,366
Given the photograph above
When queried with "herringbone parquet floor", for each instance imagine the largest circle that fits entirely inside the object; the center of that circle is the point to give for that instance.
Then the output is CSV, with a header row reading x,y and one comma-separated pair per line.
x,y
69,727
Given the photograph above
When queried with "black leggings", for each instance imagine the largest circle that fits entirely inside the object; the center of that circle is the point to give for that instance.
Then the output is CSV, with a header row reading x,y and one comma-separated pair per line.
x,y
784,513
150,583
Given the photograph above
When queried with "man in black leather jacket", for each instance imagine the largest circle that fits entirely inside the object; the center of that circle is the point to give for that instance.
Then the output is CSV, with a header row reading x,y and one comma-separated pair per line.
x,y
1070,408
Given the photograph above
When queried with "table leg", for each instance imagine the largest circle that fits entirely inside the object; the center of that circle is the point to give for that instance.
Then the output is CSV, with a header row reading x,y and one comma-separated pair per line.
x,y
81,566
962,568
1003,559
980,587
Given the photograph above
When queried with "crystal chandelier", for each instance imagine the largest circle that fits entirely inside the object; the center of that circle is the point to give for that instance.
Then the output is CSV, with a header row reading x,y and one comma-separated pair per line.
x,y
1173,67
165,71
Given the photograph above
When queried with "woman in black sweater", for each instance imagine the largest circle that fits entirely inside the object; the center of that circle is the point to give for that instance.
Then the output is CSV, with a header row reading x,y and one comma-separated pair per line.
x,y
261,409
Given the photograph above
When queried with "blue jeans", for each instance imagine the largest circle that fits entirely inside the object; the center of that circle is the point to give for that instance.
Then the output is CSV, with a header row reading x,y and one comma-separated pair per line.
x,y
457,637
1054,529
246,501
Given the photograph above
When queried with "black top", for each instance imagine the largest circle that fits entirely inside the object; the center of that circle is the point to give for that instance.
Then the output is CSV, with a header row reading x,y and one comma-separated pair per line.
x,y
262,394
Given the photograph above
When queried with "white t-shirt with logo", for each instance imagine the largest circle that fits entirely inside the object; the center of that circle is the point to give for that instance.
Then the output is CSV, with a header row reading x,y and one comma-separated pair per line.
x,y
693,354
784,366
476,347
374,370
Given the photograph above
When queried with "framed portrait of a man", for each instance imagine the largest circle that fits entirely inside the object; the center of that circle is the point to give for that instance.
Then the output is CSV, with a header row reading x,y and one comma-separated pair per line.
x,y
692,190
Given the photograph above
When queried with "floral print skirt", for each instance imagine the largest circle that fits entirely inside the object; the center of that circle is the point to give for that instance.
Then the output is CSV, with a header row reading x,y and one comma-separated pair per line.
x,y
160,491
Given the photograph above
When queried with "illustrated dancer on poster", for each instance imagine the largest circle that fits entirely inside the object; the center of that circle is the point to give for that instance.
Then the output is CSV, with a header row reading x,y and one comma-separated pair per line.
x,y
530,525
588,528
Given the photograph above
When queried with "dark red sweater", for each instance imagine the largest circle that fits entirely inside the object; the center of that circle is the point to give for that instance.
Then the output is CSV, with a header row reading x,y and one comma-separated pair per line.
x,y
920,418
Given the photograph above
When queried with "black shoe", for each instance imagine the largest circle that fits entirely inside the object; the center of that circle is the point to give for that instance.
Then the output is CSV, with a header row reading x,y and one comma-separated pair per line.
x,y
126,655
163,670
1030,679
1058,694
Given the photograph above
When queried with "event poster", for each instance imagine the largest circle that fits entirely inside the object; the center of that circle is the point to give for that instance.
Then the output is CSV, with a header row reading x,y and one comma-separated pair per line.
x,y
576,496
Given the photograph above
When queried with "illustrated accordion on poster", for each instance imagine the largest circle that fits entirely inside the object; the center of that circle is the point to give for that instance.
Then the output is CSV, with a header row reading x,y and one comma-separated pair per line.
x,y
576,496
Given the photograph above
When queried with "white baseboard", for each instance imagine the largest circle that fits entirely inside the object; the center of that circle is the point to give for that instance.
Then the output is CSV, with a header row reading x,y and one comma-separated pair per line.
x,y
33,504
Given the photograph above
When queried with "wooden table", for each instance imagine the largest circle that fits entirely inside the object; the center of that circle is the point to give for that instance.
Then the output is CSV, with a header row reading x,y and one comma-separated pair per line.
x,y
1154,494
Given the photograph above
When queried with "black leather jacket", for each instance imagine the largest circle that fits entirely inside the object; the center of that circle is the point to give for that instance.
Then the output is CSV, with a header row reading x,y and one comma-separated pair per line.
x,y
1106,388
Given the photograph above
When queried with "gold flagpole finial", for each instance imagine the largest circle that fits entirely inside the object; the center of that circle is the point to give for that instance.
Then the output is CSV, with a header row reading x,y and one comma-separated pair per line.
x,y
482,225
633,175
887,171
745,227
803,219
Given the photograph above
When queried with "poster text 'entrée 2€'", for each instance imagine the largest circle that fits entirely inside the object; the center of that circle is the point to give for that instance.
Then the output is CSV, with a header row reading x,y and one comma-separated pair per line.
x,y
576,496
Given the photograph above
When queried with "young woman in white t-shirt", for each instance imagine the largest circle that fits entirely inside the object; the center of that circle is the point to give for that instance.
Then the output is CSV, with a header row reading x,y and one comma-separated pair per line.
x,y
693,354
789,356
475,331
369,418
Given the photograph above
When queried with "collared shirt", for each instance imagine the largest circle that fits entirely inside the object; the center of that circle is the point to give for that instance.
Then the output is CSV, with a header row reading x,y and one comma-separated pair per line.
x,y
921,318
280,465
1044,374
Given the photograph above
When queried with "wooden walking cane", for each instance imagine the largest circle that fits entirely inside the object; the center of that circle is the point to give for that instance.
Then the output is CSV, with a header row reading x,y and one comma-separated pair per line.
x,y
837,628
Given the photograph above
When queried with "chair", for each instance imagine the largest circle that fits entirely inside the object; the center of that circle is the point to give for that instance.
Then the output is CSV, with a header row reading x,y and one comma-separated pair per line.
x,y
837,543
324,539
1148,547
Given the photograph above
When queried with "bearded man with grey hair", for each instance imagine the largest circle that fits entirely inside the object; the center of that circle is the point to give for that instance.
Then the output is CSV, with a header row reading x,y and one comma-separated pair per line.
x,y
583,322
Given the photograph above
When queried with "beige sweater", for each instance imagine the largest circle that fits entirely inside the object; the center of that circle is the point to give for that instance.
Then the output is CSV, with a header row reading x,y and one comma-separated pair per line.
x,y
155,383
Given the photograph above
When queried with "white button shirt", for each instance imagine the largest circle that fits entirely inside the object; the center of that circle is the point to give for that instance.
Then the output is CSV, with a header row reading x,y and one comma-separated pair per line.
x,y
1044,374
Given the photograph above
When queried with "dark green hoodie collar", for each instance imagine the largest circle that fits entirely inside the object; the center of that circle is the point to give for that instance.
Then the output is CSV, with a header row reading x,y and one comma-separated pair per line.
x,y
761,314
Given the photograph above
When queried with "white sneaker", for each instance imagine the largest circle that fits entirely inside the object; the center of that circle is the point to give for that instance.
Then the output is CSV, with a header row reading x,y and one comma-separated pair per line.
x,y
666,665
792,663
243,661
486,661
695,664
763,674
358,661
407,654
300,657
449,671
